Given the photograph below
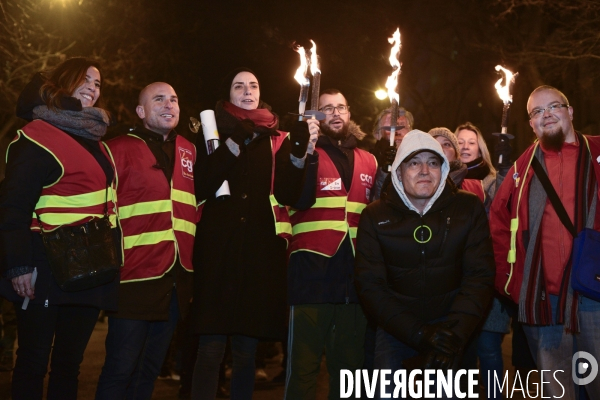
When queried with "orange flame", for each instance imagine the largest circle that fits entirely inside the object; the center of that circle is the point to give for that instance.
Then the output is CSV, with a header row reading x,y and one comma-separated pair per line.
x,y
392,81
300,76
504,91
314,61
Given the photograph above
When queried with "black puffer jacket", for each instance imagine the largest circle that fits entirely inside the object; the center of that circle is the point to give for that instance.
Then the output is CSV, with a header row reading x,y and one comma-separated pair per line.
x,y
404,284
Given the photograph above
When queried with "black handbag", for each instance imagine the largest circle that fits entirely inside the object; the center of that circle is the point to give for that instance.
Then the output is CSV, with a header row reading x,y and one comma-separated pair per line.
x,y
83,256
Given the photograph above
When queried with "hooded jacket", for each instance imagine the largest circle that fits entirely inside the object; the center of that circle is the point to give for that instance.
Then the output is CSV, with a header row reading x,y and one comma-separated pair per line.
x,y
413,268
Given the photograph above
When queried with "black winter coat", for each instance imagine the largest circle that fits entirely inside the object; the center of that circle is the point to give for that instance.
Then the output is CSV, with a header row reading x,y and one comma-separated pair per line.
x,y
29,168
405,284
239,262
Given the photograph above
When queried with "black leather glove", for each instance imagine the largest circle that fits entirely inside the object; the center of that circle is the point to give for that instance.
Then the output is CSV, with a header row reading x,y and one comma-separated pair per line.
x,y
440,338
244,130
439,360
299,137
503,149
390,155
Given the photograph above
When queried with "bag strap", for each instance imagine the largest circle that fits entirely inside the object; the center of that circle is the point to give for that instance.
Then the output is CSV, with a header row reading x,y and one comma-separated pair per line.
x,y
552,196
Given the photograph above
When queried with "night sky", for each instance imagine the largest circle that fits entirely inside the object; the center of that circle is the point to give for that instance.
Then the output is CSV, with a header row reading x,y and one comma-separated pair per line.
x,y
449,51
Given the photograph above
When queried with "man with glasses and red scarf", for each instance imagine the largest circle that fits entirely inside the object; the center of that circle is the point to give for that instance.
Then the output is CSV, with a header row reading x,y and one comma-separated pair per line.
x,y
533,266
325,313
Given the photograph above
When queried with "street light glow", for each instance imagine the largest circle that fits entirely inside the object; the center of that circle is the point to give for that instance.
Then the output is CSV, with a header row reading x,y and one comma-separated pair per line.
x,y
381,94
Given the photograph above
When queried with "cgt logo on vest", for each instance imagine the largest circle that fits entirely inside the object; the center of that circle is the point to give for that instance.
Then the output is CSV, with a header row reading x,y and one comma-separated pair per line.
x,y
366,178
187,165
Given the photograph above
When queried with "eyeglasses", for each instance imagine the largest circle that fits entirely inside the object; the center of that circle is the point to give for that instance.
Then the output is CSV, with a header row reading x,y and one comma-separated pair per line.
x,y
389,128
328,110
536,112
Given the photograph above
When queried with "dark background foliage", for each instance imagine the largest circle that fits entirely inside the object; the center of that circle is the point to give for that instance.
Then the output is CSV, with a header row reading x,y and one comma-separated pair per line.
x,y
449,50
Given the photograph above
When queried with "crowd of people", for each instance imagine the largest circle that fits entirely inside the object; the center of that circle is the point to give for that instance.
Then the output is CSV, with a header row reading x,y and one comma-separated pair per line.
x,y
382,256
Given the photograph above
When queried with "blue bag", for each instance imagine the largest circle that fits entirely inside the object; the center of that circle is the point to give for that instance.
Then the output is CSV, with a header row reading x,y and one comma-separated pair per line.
x,y
585,274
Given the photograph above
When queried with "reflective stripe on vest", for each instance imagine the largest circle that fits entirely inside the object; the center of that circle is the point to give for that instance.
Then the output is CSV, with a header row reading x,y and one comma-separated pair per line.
x,y
80,193
322,228
158,220
283,227
281,218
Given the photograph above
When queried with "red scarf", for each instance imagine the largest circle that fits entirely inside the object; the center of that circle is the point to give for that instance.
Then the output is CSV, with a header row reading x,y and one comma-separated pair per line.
x,y
260,116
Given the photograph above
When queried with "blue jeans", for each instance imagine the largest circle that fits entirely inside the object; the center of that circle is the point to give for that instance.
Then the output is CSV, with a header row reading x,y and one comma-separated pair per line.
x,y
211,349
135,351
390,354
553,349
489,351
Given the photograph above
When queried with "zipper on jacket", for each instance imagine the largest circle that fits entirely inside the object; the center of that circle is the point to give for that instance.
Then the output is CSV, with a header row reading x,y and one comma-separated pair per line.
x,y
445,235
422,238
49,288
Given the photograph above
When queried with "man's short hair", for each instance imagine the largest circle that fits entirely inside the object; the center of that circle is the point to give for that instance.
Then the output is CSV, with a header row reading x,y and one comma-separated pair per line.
x,y
331,91
401,111
548,87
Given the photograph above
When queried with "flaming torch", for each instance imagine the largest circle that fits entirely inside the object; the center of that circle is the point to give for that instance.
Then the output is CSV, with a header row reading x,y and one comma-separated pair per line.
x,y
316,73
392,81
505,94
303,80
316,84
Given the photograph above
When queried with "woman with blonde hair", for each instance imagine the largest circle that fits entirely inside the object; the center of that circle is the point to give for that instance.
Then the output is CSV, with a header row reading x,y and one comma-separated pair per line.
x,y
474,153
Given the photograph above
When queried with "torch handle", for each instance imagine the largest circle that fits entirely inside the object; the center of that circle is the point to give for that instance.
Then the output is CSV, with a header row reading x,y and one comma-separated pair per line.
x,y
504,125
302,99
394,116
392,141
314,99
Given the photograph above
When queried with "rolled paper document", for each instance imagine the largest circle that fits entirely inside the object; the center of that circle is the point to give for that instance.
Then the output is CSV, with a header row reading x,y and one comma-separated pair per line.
x,y
211,138
33,279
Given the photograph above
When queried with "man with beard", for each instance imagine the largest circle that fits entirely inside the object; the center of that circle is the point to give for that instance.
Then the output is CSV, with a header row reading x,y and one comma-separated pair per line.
x,y
325,314
533,265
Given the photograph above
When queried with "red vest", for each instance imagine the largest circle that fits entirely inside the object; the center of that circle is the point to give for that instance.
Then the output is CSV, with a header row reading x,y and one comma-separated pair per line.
x,y
336,212
474,186
80,194
158,219
283,227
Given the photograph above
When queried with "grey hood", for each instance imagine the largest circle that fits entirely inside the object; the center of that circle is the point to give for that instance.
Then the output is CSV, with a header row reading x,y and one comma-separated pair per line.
x,y
414,141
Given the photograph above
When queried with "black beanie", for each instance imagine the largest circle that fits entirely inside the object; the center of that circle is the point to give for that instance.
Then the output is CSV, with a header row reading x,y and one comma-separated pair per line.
x,y
228,80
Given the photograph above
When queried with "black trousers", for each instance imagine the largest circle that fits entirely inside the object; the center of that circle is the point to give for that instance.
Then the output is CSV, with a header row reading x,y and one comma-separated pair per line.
x,y
67,327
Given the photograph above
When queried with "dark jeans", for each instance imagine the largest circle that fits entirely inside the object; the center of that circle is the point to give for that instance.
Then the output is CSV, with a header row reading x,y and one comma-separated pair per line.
x,y
69,328
489,349
390,354
135,351
211,349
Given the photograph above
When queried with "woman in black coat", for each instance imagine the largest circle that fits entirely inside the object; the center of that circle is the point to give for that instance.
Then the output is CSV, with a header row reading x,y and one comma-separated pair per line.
x,y
58,167
239,260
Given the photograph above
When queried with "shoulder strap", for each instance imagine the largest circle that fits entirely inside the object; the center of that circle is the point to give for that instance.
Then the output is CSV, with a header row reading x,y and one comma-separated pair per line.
x,y
552,196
